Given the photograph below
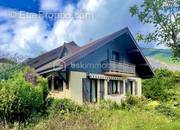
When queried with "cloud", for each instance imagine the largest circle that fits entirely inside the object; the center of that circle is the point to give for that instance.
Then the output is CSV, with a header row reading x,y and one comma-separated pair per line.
x,y
30,36
50,5
20,34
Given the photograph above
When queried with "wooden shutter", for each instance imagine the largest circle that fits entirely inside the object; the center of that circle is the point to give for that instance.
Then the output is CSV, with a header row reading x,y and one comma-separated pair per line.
x,y
86,90
102,89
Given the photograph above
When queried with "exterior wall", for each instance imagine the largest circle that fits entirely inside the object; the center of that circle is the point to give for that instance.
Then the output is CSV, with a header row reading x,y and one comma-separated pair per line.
x,y
103,53
75,85
74,89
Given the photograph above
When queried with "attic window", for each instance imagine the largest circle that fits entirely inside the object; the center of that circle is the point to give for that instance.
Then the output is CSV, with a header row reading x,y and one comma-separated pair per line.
x,y
65,53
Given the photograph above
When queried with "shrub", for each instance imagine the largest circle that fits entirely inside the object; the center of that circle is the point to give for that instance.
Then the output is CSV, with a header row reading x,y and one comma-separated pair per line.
x,y
7,70
152,105
168,111
20,99
132,100
161,86
110,105
63,106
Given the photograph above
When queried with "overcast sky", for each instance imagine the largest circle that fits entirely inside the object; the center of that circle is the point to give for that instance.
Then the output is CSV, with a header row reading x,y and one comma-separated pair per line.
x,y
47,24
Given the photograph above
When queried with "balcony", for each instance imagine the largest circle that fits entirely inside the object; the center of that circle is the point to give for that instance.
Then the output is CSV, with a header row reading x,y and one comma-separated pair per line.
x,y
114,67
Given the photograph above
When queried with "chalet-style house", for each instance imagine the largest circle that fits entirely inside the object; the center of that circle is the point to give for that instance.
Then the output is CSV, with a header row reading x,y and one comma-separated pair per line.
x,y
108,68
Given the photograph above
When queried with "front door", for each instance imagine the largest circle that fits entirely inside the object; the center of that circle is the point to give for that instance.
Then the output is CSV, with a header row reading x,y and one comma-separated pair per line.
x,y
93,90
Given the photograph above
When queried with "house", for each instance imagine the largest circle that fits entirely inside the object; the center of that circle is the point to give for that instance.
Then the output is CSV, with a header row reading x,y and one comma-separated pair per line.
x,y
108,68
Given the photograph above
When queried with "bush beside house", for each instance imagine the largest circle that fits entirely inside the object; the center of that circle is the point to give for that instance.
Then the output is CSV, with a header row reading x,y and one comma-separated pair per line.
x,y
20,99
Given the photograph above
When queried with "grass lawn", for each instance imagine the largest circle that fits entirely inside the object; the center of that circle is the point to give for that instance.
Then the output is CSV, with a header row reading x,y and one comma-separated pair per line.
x,y
103,119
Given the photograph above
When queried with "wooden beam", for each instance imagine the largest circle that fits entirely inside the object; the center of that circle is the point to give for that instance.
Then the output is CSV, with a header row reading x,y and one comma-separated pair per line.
x,y
64,76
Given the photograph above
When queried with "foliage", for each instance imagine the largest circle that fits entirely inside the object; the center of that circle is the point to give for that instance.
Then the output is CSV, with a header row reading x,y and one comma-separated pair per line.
x,y
132,102
164,15
110,105
152,105
20,99
90,120
161,86
64,106
103,119
168,111
7,70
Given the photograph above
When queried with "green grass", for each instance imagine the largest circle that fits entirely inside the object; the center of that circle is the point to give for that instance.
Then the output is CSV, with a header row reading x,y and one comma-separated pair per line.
x,y
139,120
167,60
103,119
163,55
97,118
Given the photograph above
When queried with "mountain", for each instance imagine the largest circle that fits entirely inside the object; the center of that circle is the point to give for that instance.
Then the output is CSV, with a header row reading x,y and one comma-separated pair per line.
x,y
161,58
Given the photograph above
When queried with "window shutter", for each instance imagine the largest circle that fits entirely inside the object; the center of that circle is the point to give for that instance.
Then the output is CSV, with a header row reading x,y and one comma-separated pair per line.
x,y
86,90
102,89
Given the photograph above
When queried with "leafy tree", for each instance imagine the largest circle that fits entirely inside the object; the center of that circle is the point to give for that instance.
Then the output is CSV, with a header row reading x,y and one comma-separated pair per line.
x,y
20,99
7,70
164,15
161,86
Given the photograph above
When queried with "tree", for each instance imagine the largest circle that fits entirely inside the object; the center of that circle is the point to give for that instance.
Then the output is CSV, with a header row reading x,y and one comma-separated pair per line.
x,y
164,15
20,99
162,86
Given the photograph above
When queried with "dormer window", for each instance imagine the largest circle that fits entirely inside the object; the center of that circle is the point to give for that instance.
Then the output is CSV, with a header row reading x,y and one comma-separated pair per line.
x,y
65,53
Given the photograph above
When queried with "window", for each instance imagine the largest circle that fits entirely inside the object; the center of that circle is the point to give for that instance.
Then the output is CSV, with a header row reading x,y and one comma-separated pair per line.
x,y
115,56
65,53
129,87
112,87
58,84
121,87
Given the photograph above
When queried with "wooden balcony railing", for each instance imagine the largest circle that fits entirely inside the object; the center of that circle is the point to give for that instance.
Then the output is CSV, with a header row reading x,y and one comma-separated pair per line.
x,y
114,66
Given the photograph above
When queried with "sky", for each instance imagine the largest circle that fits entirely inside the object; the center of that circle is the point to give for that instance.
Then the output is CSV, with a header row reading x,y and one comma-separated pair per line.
x,y
31,27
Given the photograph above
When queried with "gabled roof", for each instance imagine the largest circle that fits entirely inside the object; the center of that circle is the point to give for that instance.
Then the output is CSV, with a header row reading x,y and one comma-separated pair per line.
x,y
52,55
72,47
92,46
